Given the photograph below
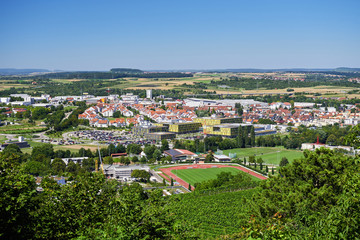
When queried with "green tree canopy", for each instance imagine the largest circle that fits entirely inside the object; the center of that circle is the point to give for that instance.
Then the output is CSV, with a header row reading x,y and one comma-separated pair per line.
x,y
307,191
141,174
46,149
58,166
17,192
164,145
12,148
284,161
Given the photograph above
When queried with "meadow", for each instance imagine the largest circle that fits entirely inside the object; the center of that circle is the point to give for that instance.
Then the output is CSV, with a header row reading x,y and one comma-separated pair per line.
x,y
270,155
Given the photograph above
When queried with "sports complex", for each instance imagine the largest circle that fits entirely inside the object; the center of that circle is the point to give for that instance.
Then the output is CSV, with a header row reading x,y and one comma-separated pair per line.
x,y
194,173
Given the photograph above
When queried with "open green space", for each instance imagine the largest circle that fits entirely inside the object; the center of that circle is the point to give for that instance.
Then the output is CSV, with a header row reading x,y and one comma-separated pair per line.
x,y
70,108
275,158
210,216
2,138
193,176
271,155
72,148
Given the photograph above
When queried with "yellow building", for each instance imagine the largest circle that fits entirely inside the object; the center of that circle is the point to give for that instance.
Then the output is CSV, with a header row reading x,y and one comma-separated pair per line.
x,y
225,130
232,130
208,121
184,127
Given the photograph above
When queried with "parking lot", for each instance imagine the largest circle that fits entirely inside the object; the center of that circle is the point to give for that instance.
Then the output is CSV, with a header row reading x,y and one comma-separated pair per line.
x,y
106,137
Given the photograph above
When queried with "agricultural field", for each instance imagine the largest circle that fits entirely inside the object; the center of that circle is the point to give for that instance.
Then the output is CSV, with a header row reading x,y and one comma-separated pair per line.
x,y
166,83
271,155
210,216
193,176
323,90
206,79
71,148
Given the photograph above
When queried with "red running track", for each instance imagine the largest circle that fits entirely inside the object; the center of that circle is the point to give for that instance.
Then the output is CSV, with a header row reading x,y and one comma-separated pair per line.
x,y
168,172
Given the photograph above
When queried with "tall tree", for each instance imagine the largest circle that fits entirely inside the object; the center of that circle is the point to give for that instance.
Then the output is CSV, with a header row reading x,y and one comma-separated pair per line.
x,y
164,145
252,136
284,161
246,137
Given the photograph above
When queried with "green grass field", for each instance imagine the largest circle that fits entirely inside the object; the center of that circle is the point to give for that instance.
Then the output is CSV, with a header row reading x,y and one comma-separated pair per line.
x,y
193,176
2,138
270,155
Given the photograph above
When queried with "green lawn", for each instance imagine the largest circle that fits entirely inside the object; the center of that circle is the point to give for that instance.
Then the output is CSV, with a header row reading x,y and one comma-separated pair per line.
x,y
2,138
70,108
193,176
275,158
270,155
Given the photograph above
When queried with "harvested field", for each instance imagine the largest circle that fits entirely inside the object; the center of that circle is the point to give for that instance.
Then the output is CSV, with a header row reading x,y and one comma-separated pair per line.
x,y
77,147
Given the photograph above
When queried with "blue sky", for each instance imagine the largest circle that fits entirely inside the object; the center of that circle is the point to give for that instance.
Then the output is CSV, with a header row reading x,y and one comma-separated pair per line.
x,y
157,34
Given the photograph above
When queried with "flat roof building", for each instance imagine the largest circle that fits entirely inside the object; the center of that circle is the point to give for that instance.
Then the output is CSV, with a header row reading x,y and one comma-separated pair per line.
x,y
222,158
158,136
188,127
142,130
209,121
232,129
180,154
23,144
122,172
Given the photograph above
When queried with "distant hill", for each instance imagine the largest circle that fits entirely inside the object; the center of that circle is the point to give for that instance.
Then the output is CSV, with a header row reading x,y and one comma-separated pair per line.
x,y
125,70
248,70
345,69
15,71
279,70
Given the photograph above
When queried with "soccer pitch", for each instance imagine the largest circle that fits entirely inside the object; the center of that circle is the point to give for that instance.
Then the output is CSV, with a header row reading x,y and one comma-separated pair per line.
x,y
193,176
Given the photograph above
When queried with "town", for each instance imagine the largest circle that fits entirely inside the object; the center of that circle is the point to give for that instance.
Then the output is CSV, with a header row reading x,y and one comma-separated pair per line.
x,y
170,120
170,144
127,120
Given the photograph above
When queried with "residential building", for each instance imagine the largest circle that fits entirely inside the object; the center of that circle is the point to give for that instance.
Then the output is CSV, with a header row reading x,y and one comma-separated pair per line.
x,y
149,93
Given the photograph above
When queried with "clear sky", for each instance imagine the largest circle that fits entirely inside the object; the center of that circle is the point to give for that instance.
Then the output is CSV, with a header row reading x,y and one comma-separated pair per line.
x,y
182,34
